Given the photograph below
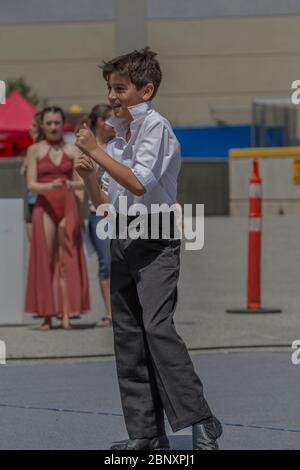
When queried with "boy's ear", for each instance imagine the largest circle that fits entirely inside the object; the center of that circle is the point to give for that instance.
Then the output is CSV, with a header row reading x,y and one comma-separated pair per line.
x,y
148,91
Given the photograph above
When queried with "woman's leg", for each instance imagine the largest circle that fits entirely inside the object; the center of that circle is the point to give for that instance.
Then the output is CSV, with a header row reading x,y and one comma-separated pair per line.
x,y
105,290
102,248
65,322
51,241
29,210
29,231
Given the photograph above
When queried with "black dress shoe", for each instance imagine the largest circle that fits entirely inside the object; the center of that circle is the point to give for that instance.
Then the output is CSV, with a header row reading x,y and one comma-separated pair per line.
x,y
206,433
155,443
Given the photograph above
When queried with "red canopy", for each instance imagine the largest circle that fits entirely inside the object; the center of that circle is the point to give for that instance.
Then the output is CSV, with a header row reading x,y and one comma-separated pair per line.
x,y
15,121
17,114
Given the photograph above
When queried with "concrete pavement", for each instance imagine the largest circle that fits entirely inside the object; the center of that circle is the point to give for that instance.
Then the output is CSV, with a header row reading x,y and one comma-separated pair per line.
x,y
211,281
70,403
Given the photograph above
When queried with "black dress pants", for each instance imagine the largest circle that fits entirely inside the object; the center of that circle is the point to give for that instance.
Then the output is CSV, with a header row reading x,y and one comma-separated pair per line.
x,y
155,372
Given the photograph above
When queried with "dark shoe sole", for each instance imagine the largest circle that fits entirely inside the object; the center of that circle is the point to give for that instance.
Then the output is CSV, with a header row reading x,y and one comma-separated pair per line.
x,y
130,445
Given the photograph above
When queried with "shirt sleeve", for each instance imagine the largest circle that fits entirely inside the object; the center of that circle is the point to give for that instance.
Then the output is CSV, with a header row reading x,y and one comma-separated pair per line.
x,y
149,155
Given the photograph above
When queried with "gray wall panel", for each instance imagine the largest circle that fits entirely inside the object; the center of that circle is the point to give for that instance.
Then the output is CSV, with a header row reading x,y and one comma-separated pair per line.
x,y
164,9
130,25
45,11
200,182
205,182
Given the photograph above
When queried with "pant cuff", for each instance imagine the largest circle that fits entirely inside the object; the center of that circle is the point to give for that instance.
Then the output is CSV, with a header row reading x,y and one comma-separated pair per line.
x,y
145,435
189,421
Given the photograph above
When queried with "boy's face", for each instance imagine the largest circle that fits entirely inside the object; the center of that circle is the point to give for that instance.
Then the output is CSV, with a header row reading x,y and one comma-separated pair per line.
x,y
123,93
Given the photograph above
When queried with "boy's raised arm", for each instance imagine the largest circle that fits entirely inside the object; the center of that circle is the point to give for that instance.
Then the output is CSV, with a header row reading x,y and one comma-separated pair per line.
x,y
121,173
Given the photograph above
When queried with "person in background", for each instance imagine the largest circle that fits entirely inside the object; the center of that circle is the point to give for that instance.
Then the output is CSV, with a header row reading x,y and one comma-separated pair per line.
x,y
57,281
103,132
37,135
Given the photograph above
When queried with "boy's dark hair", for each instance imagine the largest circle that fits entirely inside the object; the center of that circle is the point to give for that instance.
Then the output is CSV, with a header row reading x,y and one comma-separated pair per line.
x,y
141,67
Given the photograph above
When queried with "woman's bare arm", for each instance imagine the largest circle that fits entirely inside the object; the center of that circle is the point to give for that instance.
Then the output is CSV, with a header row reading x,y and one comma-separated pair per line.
x,y
23,167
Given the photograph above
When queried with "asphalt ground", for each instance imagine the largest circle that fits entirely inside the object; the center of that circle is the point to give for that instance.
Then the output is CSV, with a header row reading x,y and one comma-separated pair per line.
x,y
59,388
67,405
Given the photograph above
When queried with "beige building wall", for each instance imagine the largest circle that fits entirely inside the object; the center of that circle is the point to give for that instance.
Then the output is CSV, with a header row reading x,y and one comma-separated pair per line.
x,y
212,67
59,61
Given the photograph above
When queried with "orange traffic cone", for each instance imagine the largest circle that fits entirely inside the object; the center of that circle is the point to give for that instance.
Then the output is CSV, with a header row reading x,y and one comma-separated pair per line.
x,y
254,247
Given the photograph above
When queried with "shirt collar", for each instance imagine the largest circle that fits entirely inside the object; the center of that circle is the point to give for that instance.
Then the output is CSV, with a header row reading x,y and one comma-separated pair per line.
x,y
138,111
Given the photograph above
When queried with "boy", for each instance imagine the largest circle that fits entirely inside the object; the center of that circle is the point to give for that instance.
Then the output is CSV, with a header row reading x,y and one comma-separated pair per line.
x,y
154,369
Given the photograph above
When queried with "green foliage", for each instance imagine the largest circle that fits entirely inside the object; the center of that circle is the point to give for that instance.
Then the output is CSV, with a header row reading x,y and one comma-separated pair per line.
x,y
20,85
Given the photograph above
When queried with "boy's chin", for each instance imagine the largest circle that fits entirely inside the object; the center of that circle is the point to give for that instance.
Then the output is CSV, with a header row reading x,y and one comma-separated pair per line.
x,y
122,114
119,112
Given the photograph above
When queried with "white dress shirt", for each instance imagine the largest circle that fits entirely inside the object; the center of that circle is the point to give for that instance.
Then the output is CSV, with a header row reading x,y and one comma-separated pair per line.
x,y
152,153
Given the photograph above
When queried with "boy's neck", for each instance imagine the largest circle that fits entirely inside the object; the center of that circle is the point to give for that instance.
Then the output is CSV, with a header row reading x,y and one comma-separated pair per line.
x,y
128,135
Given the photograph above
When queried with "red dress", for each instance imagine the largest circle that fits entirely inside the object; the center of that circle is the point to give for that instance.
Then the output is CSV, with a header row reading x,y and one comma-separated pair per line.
x,y
43,294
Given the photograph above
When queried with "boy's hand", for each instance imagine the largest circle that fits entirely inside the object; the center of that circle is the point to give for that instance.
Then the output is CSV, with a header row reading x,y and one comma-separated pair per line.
x,y
86,141
85,167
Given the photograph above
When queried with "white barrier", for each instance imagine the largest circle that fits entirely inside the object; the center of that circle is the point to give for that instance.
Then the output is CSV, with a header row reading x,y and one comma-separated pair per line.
x,y
11,261
279,168
2,92
2,352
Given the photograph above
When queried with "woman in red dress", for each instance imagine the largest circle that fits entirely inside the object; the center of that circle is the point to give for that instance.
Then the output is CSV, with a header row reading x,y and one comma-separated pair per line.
x,y
57,281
